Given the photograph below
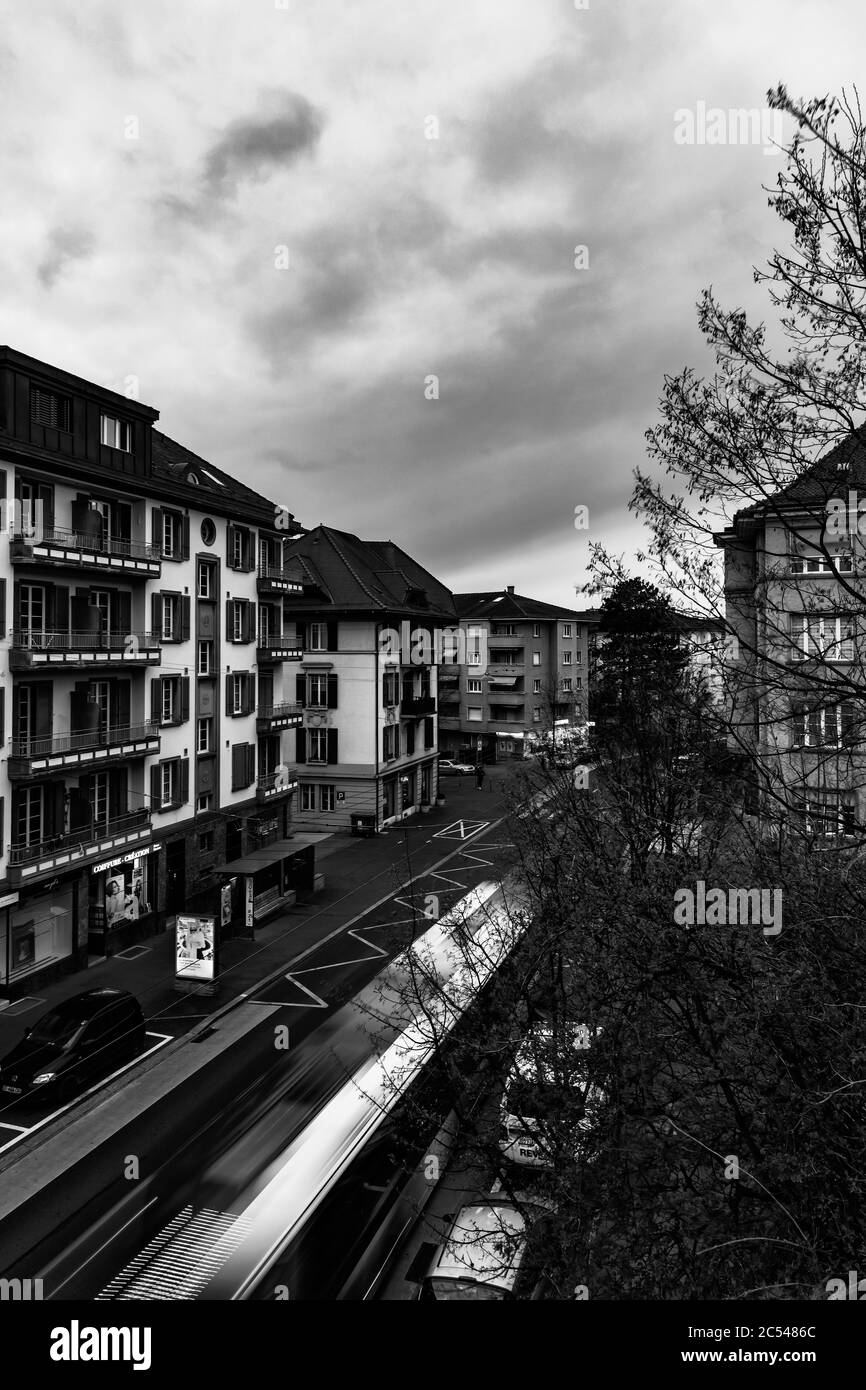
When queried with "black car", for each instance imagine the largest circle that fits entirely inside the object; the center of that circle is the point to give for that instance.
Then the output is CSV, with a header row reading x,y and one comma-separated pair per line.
x,y
81,1039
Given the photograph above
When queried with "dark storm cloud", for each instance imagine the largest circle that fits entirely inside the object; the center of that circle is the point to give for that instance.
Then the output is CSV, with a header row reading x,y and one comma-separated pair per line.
x,y
65,245
252,147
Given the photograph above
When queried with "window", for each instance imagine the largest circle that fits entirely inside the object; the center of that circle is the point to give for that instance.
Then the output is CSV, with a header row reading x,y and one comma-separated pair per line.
x,y
208,531
174,536
237,549
578,682
536,629
808,559
473,687
578,658
48,408
829,815
474,714
239,695
503,630
237,621
566,658
536,715
318,691
308,796
473,658
205,842
327,798
243,765
29,817
390,688
391,742
566,687
566,629
170,700
168,783
204,736
318,745
823,636
536,687
204,802
169,625
116,433
318,637
205,579
240,548
204,664
828,727
536,658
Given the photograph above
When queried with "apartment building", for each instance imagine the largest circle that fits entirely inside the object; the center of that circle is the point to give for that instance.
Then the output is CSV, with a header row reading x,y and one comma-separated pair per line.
x,y
794,598
366,621
525,671
146,685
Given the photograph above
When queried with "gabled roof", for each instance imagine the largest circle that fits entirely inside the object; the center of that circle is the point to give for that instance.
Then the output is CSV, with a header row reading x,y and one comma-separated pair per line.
x,y
367,575
842,467
500,605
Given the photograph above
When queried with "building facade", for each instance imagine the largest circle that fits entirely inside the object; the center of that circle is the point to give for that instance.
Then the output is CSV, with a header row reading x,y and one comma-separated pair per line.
x,y
366,623
525,671
147,689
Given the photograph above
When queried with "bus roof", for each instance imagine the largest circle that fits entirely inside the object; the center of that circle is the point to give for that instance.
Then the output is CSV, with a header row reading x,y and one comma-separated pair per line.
x,y
485,1244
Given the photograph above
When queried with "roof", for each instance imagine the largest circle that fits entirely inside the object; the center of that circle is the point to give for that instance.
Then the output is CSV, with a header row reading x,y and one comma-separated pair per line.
x,y
843,466
178,464
484,1244
499,604
696,622
366,575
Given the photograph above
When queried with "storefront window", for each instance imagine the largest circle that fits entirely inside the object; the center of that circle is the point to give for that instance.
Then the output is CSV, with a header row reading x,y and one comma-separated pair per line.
x,y
123,891
35,932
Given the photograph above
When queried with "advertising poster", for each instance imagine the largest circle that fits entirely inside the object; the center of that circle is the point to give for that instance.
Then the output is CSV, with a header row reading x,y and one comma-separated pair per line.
x,y
226,904
249,903
126,894
194,943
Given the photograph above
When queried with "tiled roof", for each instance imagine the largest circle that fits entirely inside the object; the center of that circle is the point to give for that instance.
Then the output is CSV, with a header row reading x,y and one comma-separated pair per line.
x,y
499,604
368,575
842,467
174,462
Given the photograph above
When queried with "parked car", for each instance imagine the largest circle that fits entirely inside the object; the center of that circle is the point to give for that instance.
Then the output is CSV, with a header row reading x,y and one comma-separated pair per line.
x,y
532,1097
447,768
480,1256
71,1045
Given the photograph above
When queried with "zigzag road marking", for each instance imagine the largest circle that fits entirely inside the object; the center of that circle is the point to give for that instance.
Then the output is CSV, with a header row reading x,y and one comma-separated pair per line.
x,y
461,830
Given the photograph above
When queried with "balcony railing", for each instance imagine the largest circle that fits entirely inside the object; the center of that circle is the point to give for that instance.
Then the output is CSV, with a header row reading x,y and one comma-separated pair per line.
x,y
39,647
417,705
89,741
270,785
77,547
287,715
272,577
270,649
81,843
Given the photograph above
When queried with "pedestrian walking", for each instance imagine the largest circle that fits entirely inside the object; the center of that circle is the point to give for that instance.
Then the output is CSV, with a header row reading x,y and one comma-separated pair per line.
x,y
479,776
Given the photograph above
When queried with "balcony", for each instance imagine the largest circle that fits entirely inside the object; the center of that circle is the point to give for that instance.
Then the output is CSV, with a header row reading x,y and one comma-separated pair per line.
x,y
271,718
448,695
76,550
503,668
271,579
62,852
272,785
273,649
75,651
418,706
38,756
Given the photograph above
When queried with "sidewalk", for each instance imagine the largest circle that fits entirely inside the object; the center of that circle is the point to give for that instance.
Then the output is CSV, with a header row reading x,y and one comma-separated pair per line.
x,y
358,873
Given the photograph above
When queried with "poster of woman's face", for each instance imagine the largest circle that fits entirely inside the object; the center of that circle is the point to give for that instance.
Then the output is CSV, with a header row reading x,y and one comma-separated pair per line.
x,y
121,904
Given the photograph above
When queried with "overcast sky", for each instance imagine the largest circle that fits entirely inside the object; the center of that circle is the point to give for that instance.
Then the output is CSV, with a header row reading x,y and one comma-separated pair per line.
x,y
155,157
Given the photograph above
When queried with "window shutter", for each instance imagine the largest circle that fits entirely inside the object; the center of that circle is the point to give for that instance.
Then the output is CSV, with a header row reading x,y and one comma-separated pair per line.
x,y
251,621
332,636
332,745
156,699
184,699
156,528
251,694
410,738
332,692
251,763
230,627
249,552
301,690
185,606
184,537
301,745
154,787
2,717
2,607
46,497
230,545
302,635
184,780
156,614
428,732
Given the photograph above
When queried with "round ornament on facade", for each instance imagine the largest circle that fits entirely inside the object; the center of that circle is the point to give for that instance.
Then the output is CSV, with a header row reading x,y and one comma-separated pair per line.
x,y
208,531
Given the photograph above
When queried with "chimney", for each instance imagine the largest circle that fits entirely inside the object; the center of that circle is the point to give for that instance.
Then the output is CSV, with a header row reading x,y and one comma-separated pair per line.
x,y
509,588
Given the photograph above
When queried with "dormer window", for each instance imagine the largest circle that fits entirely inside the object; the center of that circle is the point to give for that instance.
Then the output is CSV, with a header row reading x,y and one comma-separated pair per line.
x,y
116,433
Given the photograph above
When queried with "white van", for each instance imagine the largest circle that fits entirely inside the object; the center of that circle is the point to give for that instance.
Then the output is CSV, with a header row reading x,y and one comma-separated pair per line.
x,y
480,1256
